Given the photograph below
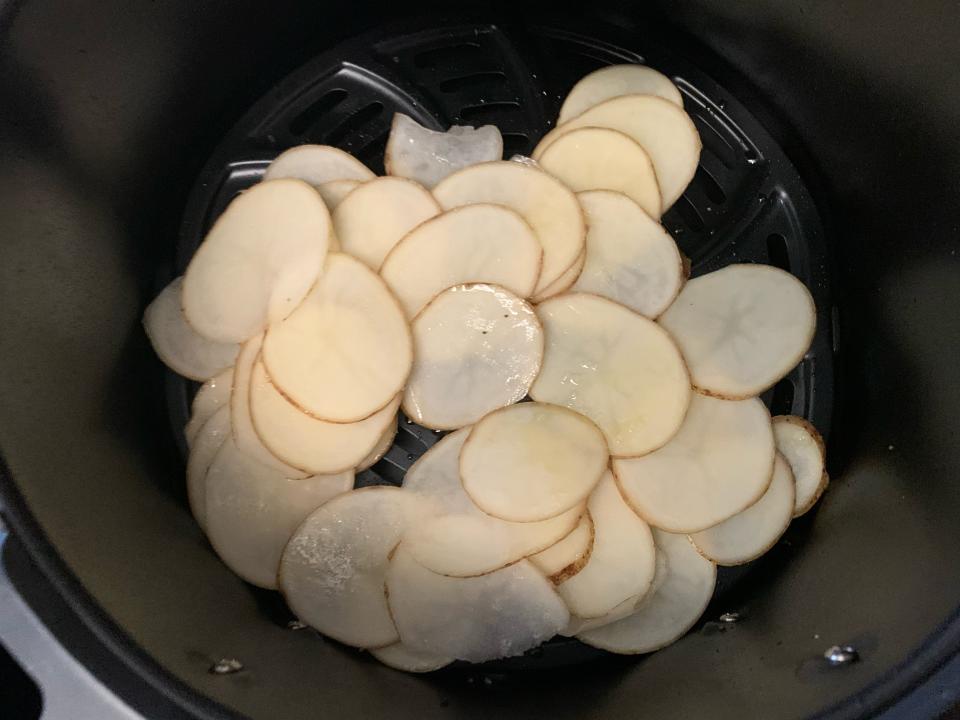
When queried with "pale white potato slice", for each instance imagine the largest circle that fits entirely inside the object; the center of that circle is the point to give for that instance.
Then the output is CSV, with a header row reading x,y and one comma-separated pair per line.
x,y
631,258
373,218
802,446
719,463
257,262
592,158
212,395
312,445
476,348
333,570
578,625
661,128
613,81
565,281
501,614
209,438
616,367
428,156
566,557
346,351
436,475
177,344
751,532
477,243
622,560
317,164
399,657
334,191
252,511
670,610
380,449
532,461
742,328
549,206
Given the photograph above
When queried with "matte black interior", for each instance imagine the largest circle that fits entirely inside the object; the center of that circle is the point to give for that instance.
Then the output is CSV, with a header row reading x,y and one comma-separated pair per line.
x,y
108,114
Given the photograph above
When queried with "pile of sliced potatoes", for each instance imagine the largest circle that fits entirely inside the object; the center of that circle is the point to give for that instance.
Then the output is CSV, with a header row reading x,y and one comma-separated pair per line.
x,y
325,299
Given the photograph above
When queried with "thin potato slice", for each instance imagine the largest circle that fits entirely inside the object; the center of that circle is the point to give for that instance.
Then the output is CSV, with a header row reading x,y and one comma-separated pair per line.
x,y
476,348
501,614
380,449
209,438
436,475
631,258
478,243
592,158
212,395
334,191
565,281
317,164
257,262
803,448
613,81
566,557
550,208
718,464
751,532
532,461
616,367
399,657
622,561
677,601
578,625
346,351
252,511
374,217
333,570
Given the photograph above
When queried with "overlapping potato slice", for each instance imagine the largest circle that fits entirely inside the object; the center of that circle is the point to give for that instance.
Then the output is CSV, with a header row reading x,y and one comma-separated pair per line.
x,y
803,448
566,557
212,395
209,438
334,191
613,81
317,164
400,657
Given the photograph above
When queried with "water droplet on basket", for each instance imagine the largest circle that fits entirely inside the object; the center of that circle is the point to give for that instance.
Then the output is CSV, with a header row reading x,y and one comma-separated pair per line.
x,y
410,456
841,655
730,618
409,421
296,625
226,666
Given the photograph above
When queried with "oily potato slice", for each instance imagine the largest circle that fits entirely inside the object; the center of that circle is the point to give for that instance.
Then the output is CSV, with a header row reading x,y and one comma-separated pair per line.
x,y
803,448
317,164
613,81
212,395
566,557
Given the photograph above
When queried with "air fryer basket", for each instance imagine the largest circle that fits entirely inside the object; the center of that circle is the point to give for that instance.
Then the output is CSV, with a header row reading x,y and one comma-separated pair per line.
x,y
122,118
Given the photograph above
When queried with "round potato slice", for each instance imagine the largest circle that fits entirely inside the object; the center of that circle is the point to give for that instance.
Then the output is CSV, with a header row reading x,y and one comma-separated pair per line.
x,y
380,449
566,557
565,281
436,475
212,395
631,258
532,461
257,262
177,344
578,625
317,164
622,560
478,243
751,532
718,464
210,437
676,602
592,158
346,351
333,570
501,614
803,448
550,207
661,128
373,218
742,328
399,657
616,367
334,191
476,348
613,81
253,510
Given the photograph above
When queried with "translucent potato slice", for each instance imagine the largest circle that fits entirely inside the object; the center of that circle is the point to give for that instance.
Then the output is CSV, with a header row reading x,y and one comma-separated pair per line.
x,y
436,475
616,367
212,395
476,348
802,446
334,191
380,449
317,164
719,463
209,438
565,281
399,657
613,81
578,625
566,557
346,351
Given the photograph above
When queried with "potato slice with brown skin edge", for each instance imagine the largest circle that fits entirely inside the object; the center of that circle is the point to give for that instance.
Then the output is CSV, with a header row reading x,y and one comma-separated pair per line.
x,y
399,657
613,81
380,449
317,164
566,557
334,191
803,448
564,282
209,438
212,395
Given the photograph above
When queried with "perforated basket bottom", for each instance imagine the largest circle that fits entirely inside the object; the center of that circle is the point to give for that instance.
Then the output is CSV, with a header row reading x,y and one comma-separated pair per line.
x,y
746,203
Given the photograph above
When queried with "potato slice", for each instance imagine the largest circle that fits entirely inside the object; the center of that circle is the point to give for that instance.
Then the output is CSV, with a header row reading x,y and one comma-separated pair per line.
x,y
803,448
616,367
661,128
317,164
212,395
477,243
676,603
333,570
399,657
476,348
594,158
428,156
742,328
501,614
622,561
346,351
257,262
334,191
578,625
750,533
436,475
631,258
380,449
550,207
565,281
566,557
613,81
532,461
252,511
177,344
718,464
314,446
373,218
210,437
